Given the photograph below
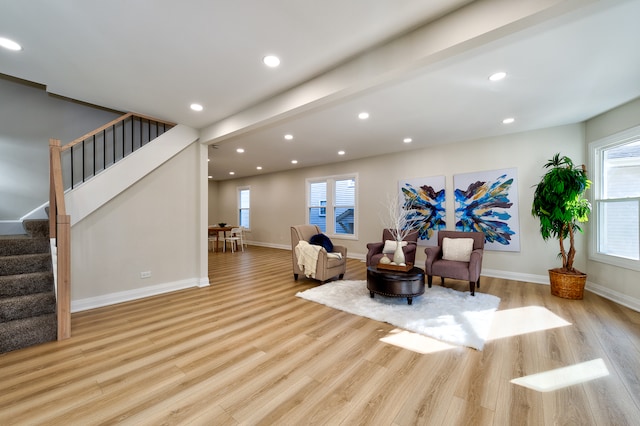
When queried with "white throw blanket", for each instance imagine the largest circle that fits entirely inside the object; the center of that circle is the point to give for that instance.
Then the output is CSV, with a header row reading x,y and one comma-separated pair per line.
x,y
307,255
307,258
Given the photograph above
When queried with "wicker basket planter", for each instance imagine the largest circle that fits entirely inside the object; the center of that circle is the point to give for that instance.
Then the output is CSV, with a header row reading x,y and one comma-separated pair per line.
x,y
567,286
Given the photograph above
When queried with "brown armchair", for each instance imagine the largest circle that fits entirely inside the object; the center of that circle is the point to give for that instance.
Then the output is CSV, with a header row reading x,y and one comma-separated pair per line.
x,y
456,266
375,249
327,266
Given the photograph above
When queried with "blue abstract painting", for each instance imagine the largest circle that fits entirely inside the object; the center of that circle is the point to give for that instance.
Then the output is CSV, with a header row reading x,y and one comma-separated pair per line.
x,y
488,202
424,198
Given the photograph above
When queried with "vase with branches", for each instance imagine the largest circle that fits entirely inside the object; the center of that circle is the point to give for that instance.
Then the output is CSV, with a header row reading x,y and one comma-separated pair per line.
x,y
400,223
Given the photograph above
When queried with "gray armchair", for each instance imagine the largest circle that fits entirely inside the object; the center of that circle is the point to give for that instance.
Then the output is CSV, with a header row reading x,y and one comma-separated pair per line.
x,y
326,266
456,269
375,249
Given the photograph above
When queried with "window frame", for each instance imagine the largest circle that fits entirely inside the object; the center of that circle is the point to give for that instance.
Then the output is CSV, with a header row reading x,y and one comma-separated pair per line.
x,y
239,191
596,163
330,203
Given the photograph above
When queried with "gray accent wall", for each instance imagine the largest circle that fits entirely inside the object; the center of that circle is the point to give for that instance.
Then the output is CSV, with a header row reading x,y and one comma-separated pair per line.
x,y
29,117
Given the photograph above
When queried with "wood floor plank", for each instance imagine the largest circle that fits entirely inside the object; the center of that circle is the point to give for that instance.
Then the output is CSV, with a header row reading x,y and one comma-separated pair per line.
x,y
246,350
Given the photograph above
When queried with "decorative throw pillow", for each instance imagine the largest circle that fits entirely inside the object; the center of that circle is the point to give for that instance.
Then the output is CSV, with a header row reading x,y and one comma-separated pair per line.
x,y
457,249
390,246
322,240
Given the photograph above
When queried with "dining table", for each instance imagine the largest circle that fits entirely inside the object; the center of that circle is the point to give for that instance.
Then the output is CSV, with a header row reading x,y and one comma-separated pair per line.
x,y
216,231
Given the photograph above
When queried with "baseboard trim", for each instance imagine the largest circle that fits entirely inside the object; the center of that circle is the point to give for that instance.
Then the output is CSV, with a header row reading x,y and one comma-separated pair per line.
x,y
11,227
134,294
607,293
516,276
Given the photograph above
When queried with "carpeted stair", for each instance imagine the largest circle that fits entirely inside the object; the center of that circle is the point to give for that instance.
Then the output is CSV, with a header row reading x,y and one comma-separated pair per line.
x,y
27,298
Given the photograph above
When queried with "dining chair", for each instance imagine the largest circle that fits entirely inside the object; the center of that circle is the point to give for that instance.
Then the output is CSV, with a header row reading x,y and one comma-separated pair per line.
x,y
234,238
213,240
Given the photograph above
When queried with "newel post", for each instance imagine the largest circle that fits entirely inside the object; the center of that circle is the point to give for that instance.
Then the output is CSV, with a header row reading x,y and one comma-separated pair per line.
x,y
54,152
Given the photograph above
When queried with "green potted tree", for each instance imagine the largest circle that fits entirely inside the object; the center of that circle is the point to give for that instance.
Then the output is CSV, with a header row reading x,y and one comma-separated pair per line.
x,y
560,205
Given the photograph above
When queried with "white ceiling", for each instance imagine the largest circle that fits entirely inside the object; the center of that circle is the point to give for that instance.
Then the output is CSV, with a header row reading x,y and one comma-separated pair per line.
x,y
418,67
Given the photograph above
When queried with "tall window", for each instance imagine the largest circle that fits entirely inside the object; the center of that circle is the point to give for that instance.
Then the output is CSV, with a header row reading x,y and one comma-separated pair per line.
x,y
243,207
331,204
616,193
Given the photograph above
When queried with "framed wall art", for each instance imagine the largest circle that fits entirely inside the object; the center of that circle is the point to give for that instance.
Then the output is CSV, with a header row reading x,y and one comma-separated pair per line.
x,y
488,202
424,198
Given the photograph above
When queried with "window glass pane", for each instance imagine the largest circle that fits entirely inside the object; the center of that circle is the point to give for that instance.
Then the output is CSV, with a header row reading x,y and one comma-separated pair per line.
x,y
618,229
318,198
345,199
244,218
345,192
244,198
318,216
344,220
621,166
317,193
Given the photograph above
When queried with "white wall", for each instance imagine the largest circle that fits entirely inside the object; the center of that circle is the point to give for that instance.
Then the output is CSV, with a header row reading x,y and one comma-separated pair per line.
x,y
278,200
155,225
616,283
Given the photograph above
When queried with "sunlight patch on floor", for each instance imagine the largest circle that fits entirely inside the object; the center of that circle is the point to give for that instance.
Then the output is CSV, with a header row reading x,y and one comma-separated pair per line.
x,y
528,319
562,377
415,342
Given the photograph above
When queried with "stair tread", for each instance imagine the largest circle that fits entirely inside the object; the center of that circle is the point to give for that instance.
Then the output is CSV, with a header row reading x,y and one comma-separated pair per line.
x,y
23,284
24,245
27,332
29,305
25,263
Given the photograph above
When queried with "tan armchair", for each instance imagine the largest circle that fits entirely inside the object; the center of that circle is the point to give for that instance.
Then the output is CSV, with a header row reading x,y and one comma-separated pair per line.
x,y
327,266
461,269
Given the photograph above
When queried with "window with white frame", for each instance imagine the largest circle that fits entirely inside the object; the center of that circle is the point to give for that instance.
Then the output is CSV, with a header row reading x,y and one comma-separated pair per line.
x,y
331,204
615,238
244,195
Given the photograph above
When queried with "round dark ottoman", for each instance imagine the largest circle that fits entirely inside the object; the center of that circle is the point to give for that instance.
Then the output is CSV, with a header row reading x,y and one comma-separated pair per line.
x,y
396,283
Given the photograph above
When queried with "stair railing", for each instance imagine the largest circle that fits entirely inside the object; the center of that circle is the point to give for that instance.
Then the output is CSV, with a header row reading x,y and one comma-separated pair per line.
x,y
117,139
94,152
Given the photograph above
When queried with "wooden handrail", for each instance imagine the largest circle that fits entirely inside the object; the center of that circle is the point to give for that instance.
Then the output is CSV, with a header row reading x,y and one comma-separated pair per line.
x,y
110,124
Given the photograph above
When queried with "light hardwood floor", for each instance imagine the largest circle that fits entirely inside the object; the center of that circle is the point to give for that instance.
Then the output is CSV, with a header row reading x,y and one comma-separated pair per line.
x,y
247,351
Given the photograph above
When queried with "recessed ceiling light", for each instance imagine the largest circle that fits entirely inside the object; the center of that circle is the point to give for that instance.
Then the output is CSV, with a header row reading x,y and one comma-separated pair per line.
x,y
508,120
407,140
497,76
232,173
363,115
294,161
210,177
271,61
9,44
240,150
288,137
196,107
341,152
259,168
208,159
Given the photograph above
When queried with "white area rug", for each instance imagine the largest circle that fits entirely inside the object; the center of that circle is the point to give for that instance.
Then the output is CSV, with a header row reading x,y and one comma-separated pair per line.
x,y
441,313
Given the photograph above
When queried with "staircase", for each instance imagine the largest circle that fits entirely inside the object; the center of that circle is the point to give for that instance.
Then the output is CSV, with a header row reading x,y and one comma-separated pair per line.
x,y
27,298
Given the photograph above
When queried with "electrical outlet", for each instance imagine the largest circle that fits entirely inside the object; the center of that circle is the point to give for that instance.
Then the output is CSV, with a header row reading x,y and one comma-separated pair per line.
x,y
145,274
